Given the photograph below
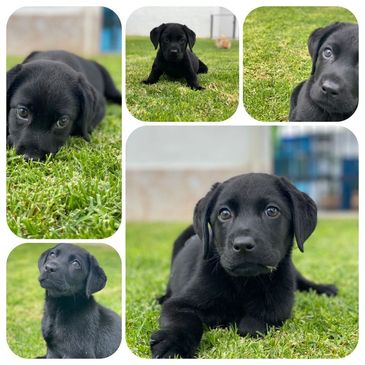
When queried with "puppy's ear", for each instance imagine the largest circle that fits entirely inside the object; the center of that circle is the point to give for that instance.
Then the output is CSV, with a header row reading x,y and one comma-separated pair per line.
x,y
304,212
156,33
202,212
96,279
190,35
92,108
11,76
316,39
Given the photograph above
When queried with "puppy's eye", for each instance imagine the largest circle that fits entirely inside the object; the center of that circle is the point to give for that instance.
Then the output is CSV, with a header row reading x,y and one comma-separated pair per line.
x,y
76,264
22,112
52,255
63,122
272,211
224,215
327,53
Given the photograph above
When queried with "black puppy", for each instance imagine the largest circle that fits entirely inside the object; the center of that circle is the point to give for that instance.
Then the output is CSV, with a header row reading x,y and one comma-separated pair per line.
x,y
53,95
331,92
74,325
234,264
174,58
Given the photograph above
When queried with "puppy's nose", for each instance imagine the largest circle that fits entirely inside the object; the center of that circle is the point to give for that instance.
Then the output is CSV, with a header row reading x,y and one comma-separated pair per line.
x,y
174,51
330,88
243,244
50,267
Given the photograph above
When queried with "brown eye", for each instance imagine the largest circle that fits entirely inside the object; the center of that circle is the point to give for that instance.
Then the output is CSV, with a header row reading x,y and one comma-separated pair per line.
x,y
63,122
272,211
22,112
224,215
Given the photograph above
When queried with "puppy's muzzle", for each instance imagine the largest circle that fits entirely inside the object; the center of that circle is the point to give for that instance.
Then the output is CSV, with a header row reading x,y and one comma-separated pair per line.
x,y
30,152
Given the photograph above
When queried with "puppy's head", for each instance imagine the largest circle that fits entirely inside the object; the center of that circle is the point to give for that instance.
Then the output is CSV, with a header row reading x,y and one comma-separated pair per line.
x,y
68,270
46,102
253,220
335,73
173,39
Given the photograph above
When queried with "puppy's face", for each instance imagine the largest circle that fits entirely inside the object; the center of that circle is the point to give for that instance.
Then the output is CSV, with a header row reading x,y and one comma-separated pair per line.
x,y
68,270
173,42
173,39
253,221
44,107
335,52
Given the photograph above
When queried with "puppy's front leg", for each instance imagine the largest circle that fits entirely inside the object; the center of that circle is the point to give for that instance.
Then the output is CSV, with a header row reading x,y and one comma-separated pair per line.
x,y
250,326
191,76
192,80
264,314
155,74
180,333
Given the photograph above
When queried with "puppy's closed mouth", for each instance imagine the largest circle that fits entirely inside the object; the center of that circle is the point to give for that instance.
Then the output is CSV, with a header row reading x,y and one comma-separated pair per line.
x,y
251,269
47,283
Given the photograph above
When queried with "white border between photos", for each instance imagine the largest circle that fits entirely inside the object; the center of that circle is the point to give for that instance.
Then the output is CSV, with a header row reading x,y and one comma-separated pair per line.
x,y
124,8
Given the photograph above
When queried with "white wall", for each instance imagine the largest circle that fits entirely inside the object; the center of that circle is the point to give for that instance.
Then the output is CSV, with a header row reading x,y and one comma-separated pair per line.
x,y
143,20
207,147
75,29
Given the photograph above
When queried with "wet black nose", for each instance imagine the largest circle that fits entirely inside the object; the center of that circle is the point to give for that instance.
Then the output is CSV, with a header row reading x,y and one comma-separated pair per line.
x,y
330,88
243,244
30,152
50,267
174,51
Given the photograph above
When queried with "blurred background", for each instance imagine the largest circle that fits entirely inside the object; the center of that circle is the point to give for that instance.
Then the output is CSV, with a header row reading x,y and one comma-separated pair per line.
x,y
82,30
207,22
170,168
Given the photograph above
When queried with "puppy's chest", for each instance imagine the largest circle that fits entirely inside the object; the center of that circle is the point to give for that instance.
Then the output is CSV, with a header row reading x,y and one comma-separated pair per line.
x,y
174,69
57,326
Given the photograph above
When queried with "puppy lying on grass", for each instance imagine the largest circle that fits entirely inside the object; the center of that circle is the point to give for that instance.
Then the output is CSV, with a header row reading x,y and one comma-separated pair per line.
x,y
174,58
53,95
234,266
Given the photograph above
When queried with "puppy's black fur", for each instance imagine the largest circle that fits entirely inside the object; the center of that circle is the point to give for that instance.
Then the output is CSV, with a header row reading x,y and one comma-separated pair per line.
x,y
174,58
74,325
53,95
234,264
331,92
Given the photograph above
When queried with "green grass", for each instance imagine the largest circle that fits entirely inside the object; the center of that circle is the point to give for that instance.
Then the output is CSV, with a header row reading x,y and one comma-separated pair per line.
x,y
170,100
321,327
25,297
77,192
276,56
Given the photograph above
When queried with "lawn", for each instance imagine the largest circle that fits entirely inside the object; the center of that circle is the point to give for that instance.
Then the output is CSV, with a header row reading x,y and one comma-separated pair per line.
x,y
276,56
25,297
77,192
321,327
170,100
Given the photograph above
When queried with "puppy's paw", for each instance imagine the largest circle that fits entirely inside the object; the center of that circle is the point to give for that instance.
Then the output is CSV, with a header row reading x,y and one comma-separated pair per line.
x,y
148,82
197,87
167,344
327,289
253,327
